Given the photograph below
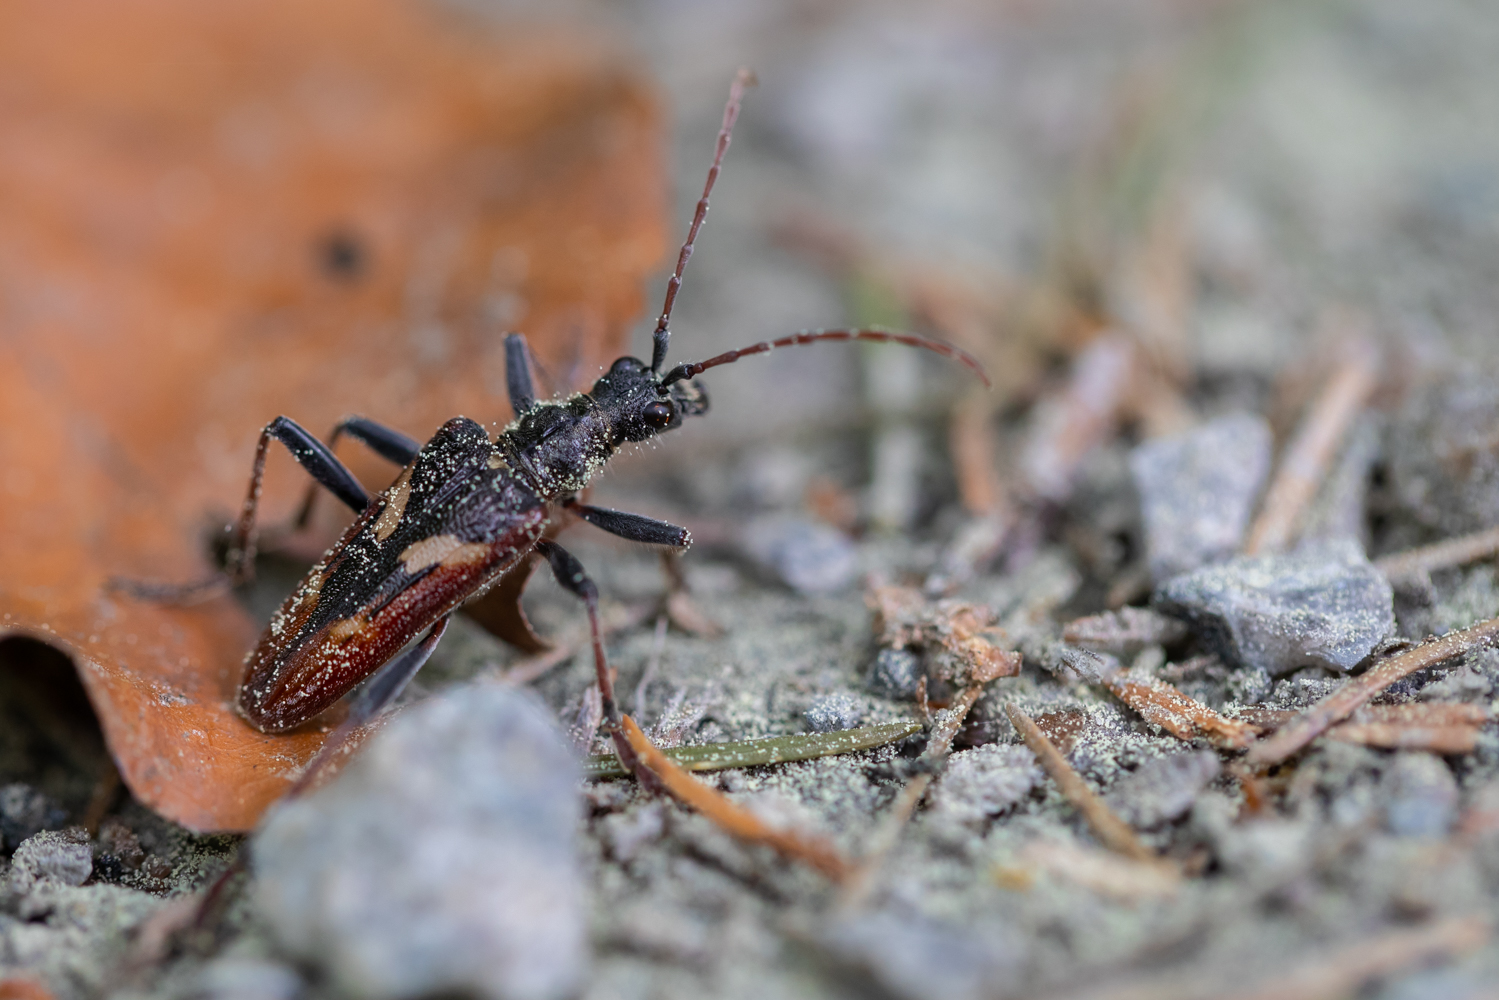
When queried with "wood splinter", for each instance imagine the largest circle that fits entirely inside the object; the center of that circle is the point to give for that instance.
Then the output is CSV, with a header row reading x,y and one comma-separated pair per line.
x,y
1112,831
1304,464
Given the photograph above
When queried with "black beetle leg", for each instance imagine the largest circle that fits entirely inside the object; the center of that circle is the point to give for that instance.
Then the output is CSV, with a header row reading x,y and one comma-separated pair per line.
x,y
635,527
378,692
518,373
384,441
320,464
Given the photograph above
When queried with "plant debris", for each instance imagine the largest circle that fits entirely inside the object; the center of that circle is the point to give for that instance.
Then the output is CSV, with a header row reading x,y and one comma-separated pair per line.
x,y
807,848
1337,706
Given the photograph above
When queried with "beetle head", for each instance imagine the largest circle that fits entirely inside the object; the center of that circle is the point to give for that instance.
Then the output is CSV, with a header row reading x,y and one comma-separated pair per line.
x,y
636,404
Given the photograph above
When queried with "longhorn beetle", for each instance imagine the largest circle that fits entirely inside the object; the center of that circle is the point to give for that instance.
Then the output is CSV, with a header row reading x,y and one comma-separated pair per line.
x,y
464,509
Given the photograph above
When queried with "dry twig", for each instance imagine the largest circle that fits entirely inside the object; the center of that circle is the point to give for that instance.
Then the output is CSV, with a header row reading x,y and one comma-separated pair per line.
x,y
1337,706
817,852
1331,974
1304,464
1107,874
1415,565
1083,416
1110,829
1181,716
527,670
1440,727
963,635
949,721
1449,741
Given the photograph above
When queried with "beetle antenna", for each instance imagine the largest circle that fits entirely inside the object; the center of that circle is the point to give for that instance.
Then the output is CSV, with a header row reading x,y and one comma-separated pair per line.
x,y
661,339
690,369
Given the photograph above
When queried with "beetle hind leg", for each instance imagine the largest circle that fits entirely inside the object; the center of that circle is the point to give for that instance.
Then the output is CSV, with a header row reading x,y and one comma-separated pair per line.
x,y
313,456
377,694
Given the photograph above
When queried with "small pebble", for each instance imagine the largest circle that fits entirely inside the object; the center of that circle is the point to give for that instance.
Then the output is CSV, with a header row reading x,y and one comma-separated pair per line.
x,y
626,833
896,674
25,811
807,556
1324,607
1420,796
839,710
233,978
1444,455
1162,789
443,860
916,957
1198,490
983,782
59,855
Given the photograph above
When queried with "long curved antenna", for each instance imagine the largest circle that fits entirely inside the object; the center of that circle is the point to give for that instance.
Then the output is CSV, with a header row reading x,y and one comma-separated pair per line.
x,y
661,339
690,369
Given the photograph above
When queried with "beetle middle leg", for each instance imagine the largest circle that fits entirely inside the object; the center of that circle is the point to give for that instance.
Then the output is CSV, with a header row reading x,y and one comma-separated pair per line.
x,y
635,527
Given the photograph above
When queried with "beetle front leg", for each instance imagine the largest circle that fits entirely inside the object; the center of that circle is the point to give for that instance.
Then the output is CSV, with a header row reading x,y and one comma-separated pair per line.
x,y
571,575
635,527
314,457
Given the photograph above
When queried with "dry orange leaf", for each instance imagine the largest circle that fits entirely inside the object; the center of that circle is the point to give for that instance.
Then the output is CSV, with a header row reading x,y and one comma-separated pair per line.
x,y
211,214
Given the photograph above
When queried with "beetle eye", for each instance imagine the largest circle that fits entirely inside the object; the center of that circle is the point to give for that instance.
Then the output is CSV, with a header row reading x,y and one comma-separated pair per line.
x,y
658,414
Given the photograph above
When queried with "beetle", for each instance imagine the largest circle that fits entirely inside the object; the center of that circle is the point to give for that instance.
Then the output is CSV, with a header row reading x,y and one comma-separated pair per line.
x,y
464,509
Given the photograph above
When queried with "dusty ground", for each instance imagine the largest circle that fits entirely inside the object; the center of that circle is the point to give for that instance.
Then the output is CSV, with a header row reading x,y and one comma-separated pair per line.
x,y
1334,154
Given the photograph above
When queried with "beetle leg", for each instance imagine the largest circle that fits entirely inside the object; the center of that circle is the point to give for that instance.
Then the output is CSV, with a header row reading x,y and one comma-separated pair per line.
x,y
635,527
569,572
384,441
319,463
571,575
313,456
518,373
378,692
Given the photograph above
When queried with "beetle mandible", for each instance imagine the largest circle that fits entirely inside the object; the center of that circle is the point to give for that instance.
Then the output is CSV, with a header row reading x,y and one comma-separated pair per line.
x,y
464,509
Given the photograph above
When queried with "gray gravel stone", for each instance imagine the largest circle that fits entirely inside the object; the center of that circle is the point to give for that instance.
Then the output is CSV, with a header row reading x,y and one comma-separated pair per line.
x,y
1444,455
443,860
917,957
235,978
61,856
1420,796
983,782
808,557
1325,607
1162,789
1198,489
839,710
895,674
25,811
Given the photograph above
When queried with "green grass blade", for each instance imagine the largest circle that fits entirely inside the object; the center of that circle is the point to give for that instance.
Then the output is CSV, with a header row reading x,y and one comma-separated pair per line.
x,y
776,750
